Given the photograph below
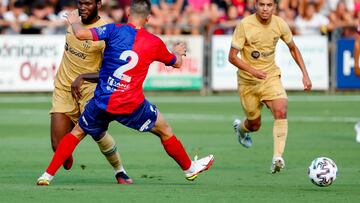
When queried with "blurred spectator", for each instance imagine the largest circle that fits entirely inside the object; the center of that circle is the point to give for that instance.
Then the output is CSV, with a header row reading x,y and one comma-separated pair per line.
x,y
240,6
341,18
356,8
289,16
230,21
15,17
311,23
197,13
250,7
117,14
41,21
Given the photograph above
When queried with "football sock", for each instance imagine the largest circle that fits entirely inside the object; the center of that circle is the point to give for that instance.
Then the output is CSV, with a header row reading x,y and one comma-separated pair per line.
x,y
108,148
175,150
63,151
280,132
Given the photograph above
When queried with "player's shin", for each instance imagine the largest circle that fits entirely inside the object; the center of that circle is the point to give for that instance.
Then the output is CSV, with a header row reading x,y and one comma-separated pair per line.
x,y
64,150
280,132
108,148
175,150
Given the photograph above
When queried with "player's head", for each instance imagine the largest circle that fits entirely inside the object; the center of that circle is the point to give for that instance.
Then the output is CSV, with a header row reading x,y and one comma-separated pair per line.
x,y
89,10
265,8
140,9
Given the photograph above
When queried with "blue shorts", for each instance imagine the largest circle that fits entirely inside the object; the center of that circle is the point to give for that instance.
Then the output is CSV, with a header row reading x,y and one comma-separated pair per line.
x,y
94,121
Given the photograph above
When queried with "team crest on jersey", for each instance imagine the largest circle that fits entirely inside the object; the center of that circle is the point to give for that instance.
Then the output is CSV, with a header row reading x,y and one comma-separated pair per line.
x,y
101,30
255,54
87,44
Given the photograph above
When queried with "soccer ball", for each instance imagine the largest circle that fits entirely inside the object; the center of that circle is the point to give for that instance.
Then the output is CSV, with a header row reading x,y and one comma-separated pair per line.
x,y
322,171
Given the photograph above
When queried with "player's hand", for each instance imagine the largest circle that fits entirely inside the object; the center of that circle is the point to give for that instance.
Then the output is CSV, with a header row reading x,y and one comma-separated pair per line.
x,y
357,71
307,83
259,74
180,49
75,87
71,18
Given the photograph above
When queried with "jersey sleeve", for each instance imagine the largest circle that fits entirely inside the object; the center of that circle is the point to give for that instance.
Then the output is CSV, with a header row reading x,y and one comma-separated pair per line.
x,y
102,32
286,34
164,55
238,38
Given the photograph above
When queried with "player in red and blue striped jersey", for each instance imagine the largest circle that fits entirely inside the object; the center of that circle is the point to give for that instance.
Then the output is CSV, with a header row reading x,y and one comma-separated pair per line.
x,y
119,96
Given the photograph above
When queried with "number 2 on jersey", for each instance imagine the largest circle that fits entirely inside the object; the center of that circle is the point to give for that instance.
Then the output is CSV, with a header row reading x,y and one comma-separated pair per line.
x,y
134,59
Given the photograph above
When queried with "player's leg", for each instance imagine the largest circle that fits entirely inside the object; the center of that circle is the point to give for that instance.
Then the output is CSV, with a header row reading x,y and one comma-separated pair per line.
x,y
60,124
107,144
89,122
64,114
175,150
63,151
275,98
252,106
108,148
278,108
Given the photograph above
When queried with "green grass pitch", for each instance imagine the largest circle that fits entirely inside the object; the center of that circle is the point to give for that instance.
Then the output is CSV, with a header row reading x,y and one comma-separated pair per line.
x,y
319,125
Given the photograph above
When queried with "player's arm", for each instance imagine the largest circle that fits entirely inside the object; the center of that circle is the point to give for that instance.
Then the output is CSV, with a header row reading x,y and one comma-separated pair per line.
x,y
357,55
295,53
240,64
173,58
76,84
80,32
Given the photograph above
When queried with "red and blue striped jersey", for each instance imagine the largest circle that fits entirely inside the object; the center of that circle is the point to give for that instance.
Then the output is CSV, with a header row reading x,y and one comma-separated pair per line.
x,y
127,57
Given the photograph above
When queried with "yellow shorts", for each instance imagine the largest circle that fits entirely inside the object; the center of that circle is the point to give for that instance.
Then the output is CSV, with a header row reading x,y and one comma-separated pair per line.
x,y
63,102
252,96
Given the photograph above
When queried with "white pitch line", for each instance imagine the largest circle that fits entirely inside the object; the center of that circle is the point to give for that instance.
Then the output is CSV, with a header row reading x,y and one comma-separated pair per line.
x,y
204,117
196,99
211,117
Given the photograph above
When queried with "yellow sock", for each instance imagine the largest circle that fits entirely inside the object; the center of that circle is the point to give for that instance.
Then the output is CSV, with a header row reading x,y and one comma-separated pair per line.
x,y
108,147
280,132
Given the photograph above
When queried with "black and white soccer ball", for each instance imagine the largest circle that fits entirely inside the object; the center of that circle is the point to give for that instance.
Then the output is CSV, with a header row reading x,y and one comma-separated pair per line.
x,y
322,171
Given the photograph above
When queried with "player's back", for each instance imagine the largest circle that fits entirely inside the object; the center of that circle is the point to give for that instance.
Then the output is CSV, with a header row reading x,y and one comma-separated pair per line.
x,y
128,54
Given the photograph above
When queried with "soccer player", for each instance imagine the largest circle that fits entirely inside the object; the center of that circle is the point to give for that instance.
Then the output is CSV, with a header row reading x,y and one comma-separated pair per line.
x,y
80,63
255,37
119,96
357,73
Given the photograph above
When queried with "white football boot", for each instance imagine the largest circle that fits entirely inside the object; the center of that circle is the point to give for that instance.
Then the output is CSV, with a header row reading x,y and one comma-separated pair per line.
x,y
243,137
278,163
198,166
44,179
357,129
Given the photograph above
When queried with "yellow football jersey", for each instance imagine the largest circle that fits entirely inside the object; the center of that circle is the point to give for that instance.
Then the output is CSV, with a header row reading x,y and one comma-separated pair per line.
x,y
257,42
79,57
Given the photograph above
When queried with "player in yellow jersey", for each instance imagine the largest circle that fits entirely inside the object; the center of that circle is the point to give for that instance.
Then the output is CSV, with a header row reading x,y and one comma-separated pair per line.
x,y
74,86
255,37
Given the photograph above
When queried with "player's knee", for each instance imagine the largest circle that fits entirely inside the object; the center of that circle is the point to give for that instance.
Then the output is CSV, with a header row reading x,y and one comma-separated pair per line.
x,y
280,114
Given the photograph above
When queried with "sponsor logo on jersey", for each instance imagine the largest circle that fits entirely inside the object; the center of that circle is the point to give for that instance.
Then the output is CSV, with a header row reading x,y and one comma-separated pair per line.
x,y
74,51
266,54
255,54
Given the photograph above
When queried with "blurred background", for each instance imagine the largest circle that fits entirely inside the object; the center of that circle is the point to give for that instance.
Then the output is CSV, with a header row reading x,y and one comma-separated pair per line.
x,y
32,41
